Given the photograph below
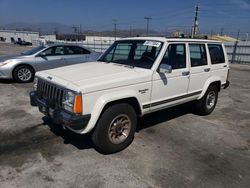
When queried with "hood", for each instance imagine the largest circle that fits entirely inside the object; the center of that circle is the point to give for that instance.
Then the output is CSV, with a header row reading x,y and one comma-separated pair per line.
x,y
95,76
12,57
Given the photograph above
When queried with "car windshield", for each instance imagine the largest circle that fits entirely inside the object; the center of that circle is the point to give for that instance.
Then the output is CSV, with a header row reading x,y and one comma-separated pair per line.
x,y
135,53
34,50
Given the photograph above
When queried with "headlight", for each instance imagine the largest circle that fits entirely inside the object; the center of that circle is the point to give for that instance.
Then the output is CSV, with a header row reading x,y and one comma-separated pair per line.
x,y
35,83
72,102
4,63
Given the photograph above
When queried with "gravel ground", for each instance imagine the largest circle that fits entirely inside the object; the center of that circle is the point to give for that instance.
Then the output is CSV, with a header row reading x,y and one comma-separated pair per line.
x,y
172,148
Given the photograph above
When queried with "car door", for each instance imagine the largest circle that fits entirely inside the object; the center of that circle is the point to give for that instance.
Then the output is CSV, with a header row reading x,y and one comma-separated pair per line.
x,y
76,54
169,88
199,67
50,58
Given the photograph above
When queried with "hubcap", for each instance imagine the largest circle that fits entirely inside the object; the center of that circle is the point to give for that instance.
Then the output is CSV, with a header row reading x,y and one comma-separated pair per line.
x,y
119,129
24,74
210,101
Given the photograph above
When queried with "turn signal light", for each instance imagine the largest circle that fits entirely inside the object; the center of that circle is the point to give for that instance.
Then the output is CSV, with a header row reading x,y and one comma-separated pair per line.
x,y
78,104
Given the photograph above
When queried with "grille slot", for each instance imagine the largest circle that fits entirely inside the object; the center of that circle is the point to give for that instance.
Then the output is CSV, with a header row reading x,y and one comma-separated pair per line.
x,y
51,92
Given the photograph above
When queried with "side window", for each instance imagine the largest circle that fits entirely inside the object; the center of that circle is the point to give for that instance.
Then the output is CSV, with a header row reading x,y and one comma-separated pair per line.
x,y
198,55
175,56
216,53
75,50
49,51
59,50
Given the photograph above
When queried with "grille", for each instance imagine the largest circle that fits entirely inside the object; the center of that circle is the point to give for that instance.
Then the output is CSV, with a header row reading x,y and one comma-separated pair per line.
x,y
50,92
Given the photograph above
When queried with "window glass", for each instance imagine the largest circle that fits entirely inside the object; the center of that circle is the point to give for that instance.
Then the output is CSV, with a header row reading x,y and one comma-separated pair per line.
x,y
138,53
49,51
34,50
216,53
175,56
74,50
59,50
198,55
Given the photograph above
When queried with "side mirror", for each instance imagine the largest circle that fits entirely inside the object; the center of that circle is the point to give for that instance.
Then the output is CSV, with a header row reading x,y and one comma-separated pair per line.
x,y
42,54
164,68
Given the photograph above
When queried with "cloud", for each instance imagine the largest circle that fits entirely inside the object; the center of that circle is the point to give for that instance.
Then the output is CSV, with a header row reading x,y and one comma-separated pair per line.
x,y
244,4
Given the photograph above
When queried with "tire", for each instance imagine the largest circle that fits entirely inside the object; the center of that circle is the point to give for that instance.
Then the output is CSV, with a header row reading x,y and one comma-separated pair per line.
x,y
110,134
208,102
23,74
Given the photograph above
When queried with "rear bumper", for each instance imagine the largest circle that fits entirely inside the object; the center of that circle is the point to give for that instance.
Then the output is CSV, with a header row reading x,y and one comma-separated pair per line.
x,y
60,116
226,85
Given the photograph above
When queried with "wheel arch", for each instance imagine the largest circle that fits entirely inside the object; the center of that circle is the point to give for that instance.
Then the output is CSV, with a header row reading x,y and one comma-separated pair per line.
x,y
22,64
103,102
211,81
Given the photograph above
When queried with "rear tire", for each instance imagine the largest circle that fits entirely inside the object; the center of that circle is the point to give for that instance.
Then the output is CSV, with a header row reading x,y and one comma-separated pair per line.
x,y
208,102
115,129
23,74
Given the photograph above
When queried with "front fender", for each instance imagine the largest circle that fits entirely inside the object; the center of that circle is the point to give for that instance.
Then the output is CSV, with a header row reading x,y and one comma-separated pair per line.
x,y
102,101
207,84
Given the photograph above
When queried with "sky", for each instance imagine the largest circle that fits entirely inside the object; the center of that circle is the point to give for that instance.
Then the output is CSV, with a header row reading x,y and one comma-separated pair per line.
x,y
214,15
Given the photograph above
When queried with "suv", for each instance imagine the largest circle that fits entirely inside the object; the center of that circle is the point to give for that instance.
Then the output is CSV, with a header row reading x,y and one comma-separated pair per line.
x,y
134,77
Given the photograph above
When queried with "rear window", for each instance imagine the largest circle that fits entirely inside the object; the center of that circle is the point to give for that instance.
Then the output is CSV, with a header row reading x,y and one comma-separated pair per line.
x,y
216,53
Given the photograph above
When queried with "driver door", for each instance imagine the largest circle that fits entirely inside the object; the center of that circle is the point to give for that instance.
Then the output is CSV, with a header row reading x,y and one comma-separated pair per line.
x,y
50,58
169,88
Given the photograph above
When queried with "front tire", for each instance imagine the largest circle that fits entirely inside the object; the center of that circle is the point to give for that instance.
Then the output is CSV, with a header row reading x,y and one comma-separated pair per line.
x,y
208,102
115,129
23,74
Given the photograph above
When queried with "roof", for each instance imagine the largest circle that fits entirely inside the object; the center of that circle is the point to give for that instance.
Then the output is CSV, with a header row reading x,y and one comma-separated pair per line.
x,y
163,39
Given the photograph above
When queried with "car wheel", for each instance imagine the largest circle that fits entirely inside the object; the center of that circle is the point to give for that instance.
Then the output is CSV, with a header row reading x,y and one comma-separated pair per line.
x,y
115,129
23,74
208,102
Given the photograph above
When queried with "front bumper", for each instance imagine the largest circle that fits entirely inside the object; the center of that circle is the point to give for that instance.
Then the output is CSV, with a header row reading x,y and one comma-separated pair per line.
x,y
60,116
226,85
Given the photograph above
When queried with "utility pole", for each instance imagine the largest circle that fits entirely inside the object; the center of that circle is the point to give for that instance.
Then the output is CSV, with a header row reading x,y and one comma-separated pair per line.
x,y
238,35
147,18
130,31
115,27
196,23
221,31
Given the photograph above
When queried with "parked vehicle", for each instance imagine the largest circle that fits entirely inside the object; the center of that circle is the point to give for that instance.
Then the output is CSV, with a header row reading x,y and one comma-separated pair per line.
x,y
132,78
23,67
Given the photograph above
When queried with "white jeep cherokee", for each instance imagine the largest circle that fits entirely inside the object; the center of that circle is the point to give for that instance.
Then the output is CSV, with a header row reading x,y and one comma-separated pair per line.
x,y
134,77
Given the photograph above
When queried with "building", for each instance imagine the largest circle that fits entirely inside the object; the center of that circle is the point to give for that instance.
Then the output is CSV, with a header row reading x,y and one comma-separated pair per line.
x,y
10,36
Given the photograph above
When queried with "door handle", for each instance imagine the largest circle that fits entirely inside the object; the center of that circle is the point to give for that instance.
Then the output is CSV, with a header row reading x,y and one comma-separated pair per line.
x,y
207,70
225,66
186,73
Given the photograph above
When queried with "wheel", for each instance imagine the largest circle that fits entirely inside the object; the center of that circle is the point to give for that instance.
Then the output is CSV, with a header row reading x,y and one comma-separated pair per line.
x,y
208,102
115,129
23,74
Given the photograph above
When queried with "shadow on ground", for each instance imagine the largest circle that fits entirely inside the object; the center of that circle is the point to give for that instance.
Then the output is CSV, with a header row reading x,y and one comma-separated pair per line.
x,y
7,81
84,141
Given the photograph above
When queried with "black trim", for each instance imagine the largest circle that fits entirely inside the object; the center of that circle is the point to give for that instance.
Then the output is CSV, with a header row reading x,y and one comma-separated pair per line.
x,y
226,85
171,100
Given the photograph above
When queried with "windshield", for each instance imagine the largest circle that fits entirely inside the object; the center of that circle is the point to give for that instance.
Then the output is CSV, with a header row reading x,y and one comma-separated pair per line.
x,y
136,53
34,50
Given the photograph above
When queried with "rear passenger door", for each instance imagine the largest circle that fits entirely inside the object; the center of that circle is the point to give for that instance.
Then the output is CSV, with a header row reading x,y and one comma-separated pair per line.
x,y
219,66
199,67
